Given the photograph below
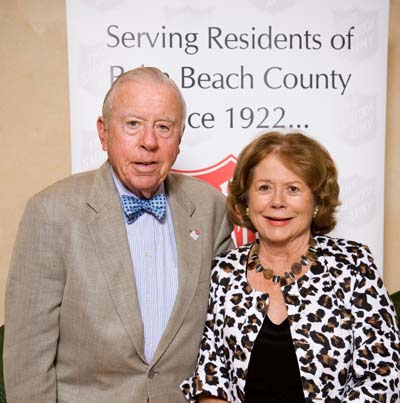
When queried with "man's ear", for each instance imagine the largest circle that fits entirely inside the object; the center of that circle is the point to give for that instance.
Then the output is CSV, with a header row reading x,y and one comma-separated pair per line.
x,y
102,132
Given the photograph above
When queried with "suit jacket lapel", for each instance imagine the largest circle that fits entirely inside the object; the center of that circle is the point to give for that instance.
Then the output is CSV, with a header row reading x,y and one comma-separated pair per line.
x,y
108,233
189,258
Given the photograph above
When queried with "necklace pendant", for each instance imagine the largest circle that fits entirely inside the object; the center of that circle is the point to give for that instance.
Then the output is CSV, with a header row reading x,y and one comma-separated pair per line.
x,y
296,268
283,282
276,279
251,265
268,274
259,268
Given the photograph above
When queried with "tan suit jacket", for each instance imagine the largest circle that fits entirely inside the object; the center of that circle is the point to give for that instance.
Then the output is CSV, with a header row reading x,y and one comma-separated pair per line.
x,y
73,330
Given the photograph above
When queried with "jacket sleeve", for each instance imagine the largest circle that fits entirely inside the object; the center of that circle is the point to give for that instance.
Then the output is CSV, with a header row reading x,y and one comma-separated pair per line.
x,y
211,374
223,241
376,352
33,297
222,227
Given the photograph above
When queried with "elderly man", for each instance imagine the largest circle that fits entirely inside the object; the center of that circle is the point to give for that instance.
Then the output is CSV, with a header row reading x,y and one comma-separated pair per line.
x,y
107,291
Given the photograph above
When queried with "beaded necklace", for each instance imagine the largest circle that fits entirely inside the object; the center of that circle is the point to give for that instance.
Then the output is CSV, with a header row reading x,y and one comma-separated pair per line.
x,y
295,269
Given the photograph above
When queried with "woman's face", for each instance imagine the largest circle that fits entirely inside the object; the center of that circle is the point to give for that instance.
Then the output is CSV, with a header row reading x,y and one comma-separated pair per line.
x,y
280,203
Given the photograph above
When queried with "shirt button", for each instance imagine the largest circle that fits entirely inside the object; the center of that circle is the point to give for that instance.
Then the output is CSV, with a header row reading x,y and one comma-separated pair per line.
x,y
151,374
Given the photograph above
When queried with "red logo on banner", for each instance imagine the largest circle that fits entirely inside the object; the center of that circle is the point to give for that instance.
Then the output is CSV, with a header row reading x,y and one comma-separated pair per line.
x,y
218,175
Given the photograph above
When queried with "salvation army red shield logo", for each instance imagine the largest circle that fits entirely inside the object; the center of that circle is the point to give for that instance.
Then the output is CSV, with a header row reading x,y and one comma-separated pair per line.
x,y
218,175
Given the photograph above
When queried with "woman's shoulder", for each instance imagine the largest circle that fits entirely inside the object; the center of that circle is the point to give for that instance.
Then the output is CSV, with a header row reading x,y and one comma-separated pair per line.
x,y
238,254
346,258
328,245
231,262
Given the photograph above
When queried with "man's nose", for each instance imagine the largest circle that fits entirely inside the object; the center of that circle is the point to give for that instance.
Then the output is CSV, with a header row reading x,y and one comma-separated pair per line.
x,y
149,138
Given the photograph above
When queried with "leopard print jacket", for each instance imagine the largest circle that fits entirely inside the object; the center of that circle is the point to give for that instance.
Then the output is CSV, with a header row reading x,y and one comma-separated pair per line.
x,y
342,323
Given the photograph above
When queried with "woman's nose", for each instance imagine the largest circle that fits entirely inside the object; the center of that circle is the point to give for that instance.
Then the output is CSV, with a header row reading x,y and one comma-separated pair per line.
x,y
278,199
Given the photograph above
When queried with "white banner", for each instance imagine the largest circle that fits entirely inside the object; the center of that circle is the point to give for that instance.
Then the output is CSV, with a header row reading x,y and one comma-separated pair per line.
x,y
246,67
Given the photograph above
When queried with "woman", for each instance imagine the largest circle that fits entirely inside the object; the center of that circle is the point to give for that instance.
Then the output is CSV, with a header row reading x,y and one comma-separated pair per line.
x,y
295,316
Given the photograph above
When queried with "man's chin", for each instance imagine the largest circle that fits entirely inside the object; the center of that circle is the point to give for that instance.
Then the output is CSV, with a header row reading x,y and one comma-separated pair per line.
x,y
144,187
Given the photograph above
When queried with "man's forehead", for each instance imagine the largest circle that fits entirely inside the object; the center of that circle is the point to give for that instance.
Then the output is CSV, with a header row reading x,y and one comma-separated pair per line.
x,y
134,84
147,92
141,95
136,113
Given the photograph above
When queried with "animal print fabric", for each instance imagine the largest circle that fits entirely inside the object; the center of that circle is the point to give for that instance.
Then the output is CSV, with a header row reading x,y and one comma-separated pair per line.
x,y
342,323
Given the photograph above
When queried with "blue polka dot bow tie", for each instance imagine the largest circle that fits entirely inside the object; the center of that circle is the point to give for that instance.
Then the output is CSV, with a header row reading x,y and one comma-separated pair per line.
x,y
135,207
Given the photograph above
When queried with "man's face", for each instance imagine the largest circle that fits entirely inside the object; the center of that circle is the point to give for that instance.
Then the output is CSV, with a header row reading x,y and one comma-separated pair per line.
x,y
143,134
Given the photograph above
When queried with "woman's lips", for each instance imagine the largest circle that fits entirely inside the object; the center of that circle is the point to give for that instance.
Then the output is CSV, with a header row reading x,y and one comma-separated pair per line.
x,y
278,221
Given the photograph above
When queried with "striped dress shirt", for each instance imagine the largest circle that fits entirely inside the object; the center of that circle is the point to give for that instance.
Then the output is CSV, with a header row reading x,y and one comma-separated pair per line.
x,y
155,267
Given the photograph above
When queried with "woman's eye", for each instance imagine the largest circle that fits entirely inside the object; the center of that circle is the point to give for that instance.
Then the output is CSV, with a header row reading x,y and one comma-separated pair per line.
x,y
264,188
293,189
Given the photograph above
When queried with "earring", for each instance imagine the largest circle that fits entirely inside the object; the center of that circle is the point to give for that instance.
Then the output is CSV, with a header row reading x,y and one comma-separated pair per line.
x,y
315,212
247,211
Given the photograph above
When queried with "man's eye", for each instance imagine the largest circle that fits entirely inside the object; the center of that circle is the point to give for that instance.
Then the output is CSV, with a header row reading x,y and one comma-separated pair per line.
x,y
133,123
164,130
